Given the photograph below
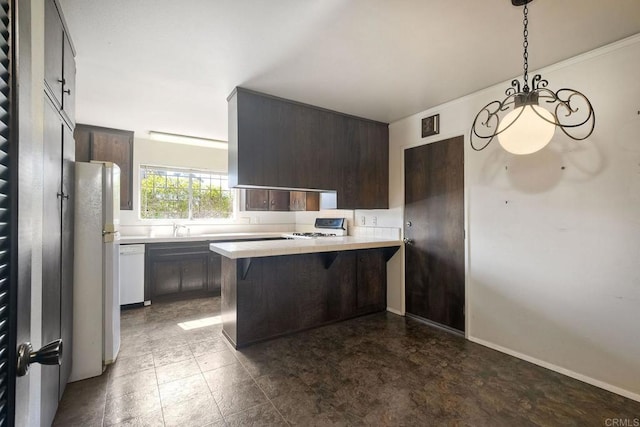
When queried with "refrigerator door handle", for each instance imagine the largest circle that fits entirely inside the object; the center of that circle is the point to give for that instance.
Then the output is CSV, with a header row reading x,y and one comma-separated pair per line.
x,y
110,236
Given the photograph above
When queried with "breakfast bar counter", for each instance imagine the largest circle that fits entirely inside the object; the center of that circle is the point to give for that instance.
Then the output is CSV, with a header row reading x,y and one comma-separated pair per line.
x,y
273,288
265,248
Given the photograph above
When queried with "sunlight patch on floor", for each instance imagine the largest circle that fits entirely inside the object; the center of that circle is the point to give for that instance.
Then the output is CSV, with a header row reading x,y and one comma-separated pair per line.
x,y
200,323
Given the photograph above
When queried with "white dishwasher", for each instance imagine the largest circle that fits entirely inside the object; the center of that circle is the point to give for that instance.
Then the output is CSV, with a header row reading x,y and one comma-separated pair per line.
x,y
131,274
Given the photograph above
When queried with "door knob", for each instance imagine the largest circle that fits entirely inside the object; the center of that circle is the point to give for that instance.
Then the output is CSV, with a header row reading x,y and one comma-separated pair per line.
x,y
407,241
50,354
409,224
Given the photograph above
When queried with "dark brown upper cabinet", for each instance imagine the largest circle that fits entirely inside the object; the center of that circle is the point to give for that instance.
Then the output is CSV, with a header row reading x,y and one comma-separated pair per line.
x,y
59,63
109,145
304,201
266,200
277,143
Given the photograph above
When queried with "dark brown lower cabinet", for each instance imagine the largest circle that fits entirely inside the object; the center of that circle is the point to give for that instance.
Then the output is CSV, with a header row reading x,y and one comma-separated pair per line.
x,y
181,270
371,281
267,297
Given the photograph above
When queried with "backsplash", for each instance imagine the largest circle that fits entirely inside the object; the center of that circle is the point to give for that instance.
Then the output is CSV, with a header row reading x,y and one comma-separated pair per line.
x,y
382,232
198,229
266,222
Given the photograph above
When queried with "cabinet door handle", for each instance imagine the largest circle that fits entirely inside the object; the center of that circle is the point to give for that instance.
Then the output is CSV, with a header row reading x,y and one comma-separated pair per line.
x,y
64,196
63,81
68,91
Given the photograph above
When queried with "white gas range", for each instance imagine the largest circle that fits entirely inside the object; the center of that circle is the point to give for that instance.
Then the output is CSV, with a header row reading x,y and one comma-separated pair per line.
x,y
323,227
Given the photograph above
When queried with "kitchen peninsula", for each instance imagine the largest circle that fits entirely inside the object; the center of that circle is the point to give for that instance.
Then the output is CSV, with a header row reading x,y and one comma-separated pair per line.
x,y
272,288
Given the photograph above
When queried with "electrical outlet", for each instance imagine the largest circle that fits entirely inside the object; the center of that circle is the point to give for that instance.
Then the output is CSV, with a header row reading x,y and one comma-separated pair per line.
x,y
374,221
363,220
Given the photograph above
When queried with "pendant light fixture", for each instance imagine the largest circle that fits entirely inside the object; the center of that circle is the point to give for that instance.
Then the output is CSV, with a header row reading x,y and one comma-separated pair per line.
x,y
526,119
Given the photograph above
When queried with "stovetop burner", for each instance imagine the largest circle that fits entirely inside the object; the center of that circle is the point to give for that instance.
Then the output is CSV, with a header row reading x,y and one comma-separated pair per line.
x,y
335,227
315,234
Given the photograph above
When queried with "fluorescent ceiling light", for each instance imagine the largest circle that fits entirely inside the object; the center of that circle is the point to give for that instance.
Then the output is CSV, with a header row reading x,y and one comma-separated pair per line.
x,y
188,140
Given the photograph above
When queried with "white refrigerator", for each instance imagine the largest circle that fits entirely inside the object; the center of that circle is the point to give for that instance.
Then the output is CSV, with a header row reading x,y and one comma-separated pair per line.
x,y
96,287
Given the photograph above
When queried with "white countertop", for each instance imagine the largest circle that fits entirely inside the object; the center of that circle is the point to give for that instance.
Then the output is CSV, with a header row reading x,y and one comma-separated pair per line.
x,y
264,248
126,240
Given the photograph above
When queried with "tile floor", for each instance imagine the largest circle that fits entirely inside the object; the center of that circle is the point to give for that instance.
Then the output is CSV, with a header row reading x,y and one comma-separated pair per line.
x,y
380,369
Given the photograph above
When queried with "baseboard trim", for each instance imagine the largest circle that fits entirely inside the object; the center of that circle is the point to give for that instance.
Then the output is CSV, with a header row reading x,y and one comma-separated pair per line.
x,y
435,325
563,371
394,311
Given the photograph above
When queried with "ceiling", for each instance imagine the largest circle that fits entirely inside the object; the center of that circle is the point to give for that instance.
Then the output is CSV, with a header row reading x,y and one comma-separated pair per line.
x,y
169,65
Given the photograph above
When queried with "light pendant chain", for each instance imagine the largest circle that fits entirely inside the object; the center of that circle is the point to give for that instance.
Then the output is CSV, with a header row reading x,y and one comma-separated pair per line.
x,y
565,109
525,55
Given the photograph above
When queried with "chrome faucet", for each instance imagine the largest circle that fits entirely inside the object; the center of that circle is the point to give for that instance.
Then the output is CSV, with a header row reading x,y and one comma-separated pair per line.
x,y
176,228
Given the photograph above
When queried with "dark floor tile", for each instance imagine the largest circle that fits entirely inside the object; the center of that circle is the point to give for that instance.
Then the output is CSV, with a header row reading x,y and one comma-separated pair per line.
x,y
90,388
281,383
152,419
80,416
219,423
238,397
196,412
134,347
304,407
210,345
133,382
210,361
133,405
184,389
177,370
83,403
201,334
226,376
262,415
129,365
171,355
380,369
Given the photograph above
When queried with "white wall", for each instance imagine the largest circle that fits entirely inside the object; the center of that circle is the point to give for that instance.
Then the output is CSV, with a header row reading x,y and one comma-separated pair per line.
x,y
553,254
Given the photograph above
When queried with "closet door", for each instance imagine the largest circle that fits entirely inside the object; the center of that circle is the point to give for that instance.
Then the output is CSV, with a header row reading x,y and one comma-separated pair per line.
x,y
66,284
51,255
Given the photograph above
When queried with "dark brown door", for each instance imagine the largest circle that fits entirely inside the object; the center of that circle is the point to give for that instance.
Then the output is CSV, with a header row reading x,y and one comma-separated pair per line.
x,y
434,232
51,255
53,51
66,285
69,87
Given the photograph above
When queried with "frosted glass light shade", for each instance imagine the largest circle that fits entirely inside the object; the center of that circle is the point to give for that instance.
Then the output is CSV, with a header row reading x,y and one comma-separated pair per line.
x,y
529,133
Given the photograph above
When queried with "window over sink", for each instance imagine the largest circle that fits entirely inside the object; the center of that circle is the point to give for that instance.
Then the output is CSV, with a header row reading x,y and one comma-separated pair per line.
x,y
175,193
